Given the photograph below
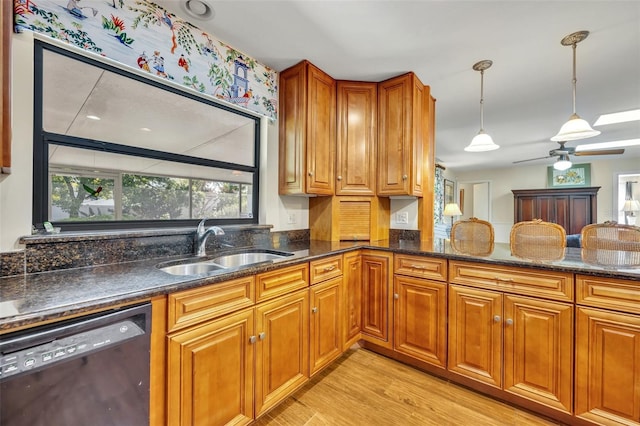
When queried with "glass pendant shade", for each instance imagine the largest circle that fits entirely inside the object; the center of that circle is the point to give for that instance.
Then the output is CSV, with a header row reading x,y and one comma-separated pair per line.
x,y
481,142
563,163
574,129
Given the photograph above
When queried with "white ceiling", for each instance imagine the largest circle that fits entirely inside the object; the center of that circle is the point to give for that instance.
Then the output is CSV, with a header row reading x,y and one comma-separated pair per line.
x,y
527,91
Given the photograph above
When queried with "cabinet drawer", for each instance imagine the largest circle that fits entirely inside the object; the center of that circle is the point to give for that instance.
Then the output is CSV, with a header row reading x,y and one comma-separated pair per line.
x,y
199,304
281,281
324,269
524,281
420,267
610,293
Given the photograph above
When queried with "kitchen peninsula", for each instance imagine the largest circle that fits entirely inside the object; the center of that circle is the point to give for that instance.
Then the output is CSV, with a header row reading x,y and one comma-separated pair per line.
x,y
419,302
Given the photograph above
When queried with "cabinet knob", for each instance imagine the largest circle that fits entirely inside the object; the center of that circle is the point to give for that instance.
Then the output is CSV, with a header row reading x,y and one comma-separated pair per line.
x,y
339,177
396,296
262,335
252,339
509,321
310,173
496,318
314,309
405,177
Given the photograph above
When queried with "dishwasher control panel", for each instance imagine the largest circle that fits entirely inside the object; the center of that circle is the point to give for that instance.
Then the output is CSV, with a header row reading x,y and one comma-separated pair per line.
x,y
68,347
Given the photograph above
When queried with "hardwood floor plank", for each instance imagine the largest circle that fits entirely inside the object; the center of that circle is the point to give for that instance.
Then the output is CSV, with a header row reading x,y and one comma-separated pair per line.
x,y
364,388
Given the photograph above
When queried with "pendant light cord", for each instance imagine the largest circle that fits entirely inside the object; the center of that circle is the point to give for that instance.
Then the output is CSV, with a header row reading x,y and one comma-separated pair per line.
x,y
482,100
574,79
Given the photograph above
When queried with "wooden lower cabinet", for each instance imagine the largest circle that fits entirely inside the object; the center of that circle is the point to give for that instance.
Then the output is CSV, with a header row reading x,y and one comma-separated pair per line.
x,y
376,298
282,350
607,367
521,345
325,344
352,298
206,358
420,319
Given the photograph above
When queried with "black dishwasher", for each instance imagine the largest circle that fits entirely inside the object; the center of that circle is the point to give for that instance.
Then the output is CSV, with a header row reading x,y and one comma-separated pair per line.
x,y
92,370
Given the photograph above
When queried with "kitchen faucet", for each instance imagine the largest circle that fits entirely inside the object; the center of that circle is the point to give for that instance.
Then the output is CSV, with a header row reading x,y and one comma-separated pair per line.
x,y
202,235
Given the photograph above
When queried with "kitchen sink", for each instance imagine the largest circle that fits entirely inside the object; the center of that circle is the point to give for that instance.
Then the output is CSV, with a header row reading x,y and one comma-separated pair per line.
x,y
249,258
209,265
192,268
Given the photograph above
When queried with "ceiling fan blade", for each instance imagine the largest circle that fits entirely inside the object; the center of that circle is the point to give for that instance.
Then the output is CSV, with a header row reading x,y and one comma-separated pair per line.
x,y
600,152
533,159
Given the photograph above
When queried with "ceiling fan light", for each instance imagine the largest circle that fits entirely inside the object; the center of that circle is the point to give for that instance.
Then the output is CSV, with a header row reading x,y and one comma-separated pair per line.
x,y
481,142
574,129
563,163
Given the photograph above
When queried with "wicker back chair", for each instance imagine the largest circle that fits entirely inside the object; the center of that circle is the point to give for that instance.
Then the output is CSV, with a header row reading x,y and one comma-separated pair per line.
x,y
472,236
611,245
538,240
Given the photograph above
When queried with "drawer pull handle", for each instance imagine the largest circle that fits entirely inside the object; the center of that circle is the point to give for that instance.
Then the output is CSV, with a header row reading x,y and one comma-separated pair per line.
x,y
329,268
262,335
252,339
314,309
496,318
418,267
509,321
504,280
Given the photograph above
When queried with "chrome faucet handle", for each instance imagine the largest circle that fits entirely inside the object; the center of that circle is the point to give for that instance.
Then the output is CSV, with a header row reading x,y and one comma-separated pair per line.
x,y
200,230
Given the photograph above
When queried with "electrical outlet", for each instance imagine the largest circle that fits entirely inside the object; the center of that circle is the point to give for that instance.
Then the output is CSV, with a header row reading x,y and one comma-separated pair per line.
x,y
291,218
402,217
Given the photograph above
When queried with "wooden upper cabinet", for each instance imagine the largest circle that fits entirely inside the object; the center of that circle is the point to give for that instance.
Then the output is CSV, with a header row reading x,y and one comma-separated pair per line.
x,y
6,23
307,137
571,208
403,135
356,138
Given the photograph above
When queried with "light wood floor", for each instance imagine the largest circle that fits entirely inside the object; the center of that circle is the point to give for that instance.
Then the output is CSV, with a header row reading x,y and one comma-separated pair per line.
x,y
364,388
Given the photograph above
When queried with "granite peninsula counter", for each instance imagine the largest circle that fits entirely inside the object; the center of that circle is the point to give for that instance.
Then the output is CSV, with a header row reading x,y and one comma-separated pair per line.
x,y
32,298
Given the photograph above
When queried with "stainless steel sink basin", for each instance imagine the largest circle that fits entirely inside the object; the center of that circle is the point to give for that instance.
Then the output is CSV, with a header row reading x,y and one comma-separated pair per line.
x,y
209,265
192,268
249,258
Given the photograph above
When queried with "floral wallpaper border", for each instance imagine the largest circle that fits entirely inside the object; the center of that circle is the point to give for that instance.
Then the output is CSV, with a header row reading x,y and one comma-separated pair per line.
x,y
143,35
438,195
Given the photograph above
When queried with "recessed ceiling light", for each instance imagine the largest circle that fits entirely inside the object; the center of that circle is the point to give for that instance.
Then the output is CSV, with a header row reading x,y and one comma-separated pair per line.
x,y
605,145
93,117
145,129
198,9
618,117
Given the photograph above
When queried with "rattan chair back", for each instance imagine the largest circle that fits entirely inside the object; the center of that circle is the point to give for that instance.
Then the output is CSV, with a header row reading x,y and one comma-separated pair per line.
x,y
472,236
611,236
538,240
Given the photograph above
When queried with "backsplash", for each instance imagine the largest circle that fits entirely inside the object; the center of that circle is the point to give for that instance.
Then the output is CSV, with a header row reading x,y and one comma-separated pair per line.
x,y
79,249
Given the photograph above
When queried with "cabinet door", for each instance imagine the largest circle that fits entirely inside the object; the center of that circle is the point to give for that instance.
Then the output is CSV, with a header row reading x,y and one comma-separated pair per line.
x,y
307,130
204,359
538,350
420,319
607,367
394,133
282,351
356,138
321,132
526,208
376,299
353,299
583,212
325,334
475,334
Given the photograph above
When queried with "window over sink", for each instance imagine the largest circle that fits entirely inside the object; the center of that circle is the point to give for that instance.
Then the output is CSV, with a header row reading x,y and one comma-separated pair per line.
x,y
115,149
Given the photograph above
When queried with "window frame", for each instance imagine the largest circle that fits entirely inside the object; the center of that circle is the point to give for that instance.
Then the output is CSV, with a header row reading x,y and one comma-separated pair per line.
x,y
43,139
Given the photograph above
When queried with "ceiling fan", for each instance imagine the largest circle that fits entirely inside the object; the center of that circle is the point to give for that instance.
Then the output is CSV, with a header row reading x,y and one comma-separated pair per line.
x,y
564,151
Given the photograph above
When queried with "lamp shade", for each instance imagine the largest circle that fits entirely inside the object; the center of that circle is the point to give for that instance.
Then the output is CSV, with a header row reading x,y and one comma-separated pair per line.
x,y
574,129
481,142
452,209
563,163
629,206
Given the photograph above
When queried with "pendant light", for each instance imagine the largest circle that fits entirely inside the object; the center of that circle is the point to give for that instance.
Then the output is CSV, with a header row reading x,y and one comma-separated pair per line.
x,y
576,128
482,141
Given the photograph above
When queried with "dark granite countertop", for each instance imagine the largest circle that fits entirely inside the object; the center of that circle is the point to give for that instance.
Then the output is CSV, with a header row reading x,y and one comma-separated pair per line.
x,y
31,298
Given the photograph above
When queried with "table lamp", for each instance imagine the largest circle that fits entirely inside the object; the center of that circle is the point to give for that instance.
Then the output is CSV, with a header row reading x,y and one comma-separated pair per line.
x,y
629,209
452,210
